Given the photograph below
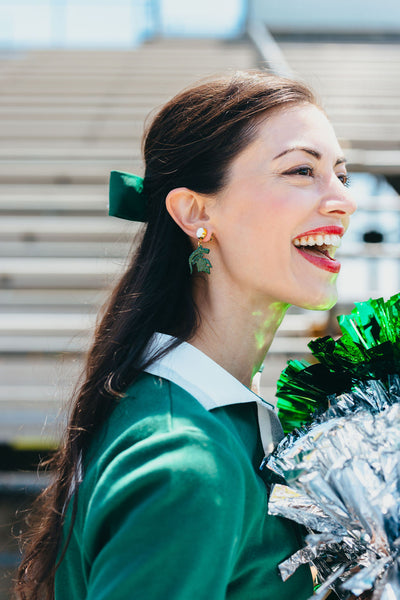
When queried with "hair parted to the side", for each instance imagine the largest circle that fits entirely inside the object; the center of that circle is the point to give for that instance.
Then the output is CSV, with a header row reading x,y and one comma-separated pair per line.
x,y
191,143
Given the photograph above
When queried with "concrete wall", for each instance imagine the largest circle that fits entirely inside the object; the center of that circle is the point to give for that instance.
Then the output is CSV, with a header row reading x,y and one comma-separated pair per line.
x,y
114,23
325,16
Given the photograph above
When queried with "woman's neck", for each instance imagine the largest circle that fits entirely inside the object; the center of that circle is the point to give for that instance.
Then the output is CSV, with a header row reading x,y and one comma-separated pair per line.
x,y
237,334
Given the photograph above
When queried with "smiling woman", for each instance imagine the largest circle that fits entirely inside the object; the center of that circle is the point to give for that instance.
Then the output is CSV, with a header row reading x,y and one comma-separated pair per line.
x,y
157,491
285,186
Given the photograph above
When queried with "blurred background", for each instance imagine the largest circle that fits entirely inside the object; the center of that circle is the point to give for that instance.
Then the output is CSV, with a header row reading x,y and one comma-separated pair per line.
x,y
78,79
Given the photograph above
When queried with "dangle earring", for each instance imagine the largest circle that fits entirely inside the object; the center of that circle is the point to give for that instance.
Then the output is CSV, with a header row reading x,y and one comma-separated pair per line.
x,y
197,257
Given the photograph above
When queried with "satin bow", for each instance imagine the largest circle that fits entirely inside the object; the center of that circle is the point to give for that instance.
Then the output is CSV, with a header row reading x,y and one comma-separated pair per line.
x,y
126,197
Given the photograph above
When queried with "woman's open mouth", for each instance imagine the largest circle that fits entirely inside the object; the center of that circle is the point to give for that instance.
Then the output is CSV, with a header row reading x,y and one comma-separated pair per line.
x,y
319,248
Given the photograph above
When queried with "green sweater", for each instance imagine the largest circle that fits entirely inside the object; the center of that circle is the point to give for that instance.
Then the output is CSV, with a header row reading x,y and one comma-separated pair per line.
x,y
172,506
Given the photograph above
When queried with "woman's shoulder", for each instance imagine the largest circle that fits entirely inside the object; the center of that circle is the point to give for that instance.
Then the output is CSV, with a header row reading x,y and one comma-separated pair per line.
x,y
153,405
157,433
162,461
157,416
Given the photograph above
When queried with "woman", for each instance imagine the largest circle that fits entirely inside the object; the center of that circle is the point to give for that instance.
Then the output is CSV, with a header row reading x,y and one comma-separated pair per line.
x,y
158,491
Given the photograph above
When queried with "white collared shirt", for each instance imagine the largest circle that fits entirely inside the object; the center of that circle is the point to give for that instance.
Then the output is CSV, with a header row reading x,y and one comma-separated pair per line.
x,y
210,384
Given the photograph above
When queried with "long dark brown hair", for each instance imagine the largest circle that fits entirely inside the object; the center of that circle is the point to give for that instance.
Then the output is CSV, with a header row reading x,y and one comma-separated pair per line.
x,y
190,143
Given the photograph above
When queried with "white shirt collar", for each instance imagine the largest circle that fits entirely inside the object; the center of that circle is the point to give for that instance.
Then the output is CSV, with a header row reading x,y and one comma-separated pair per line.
x,y
209,383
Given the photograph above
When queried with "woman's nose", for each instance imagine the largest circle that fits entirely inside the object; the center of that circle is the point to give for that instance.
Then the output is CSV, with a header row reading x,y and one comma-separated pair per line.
x,y
337,199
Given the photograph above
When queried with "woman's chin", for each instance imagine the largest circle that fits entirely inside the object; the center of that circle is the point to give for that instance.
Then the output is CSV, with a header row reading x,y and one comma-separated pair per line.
x,y
319,299
323,303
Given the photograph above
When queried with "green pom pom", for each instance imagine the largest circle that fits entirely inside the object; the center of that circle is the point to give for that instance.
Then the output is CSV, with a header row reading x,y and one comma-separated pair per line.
x,y
369,347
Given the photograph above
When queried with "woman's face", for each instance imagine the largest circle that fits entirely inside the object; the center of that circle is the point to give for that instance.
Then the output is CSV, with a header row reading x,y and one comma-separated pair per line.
x,y
278,221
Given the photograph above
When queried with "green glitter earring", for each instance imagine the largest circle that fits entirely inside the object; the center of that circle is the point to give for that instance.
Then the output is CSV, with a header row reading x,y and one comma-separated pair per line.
x,y
197,257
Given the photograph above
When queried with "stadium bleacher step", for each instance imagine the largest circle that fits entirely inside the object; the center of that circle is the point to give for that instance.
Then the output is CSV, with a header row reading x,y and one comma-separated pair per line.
x,y
66,119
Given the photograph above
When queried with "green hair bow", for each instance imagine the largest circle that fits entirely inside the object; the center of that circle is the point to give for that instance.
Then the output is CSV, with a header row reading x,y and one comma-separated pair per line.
x,y
126,197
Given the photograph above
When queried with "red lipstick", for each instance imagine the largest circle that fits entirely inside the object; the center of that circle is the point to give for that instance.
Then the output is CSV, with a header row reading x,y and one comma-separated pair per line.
x,y
321,258
328,230
323,262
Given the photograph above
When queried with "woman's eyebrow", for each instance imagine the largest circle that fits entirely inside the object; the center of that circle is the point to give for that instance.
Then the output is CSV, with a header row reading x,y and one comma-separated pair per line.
x,y
310,151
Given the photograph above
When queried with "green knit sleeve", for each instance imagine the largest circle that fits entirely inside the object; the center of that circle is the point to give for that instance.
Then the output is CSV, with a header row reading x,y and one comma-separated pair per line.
x,y
165,521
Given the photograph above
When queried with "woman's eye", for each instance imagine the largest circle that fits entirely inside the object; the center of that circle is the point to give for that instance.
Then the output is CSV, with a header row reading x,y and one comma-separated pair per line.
x,y
345,179
304,171
307,171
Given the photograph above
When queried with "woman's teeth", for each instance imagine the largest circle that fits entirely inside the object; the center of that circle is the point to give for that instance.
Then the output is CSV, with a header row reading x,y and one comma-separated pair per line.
x,y
318,240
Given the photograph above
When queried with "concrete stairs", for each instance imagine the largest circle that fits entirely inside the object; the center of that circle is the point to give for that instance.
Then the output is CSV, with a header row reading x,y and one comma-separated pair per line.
x,y
66,119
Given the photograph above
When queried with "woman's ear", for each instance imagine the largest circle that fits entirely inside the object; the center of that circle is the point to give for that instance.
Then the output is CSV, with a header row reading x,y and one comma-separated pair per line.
x,y
189,211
